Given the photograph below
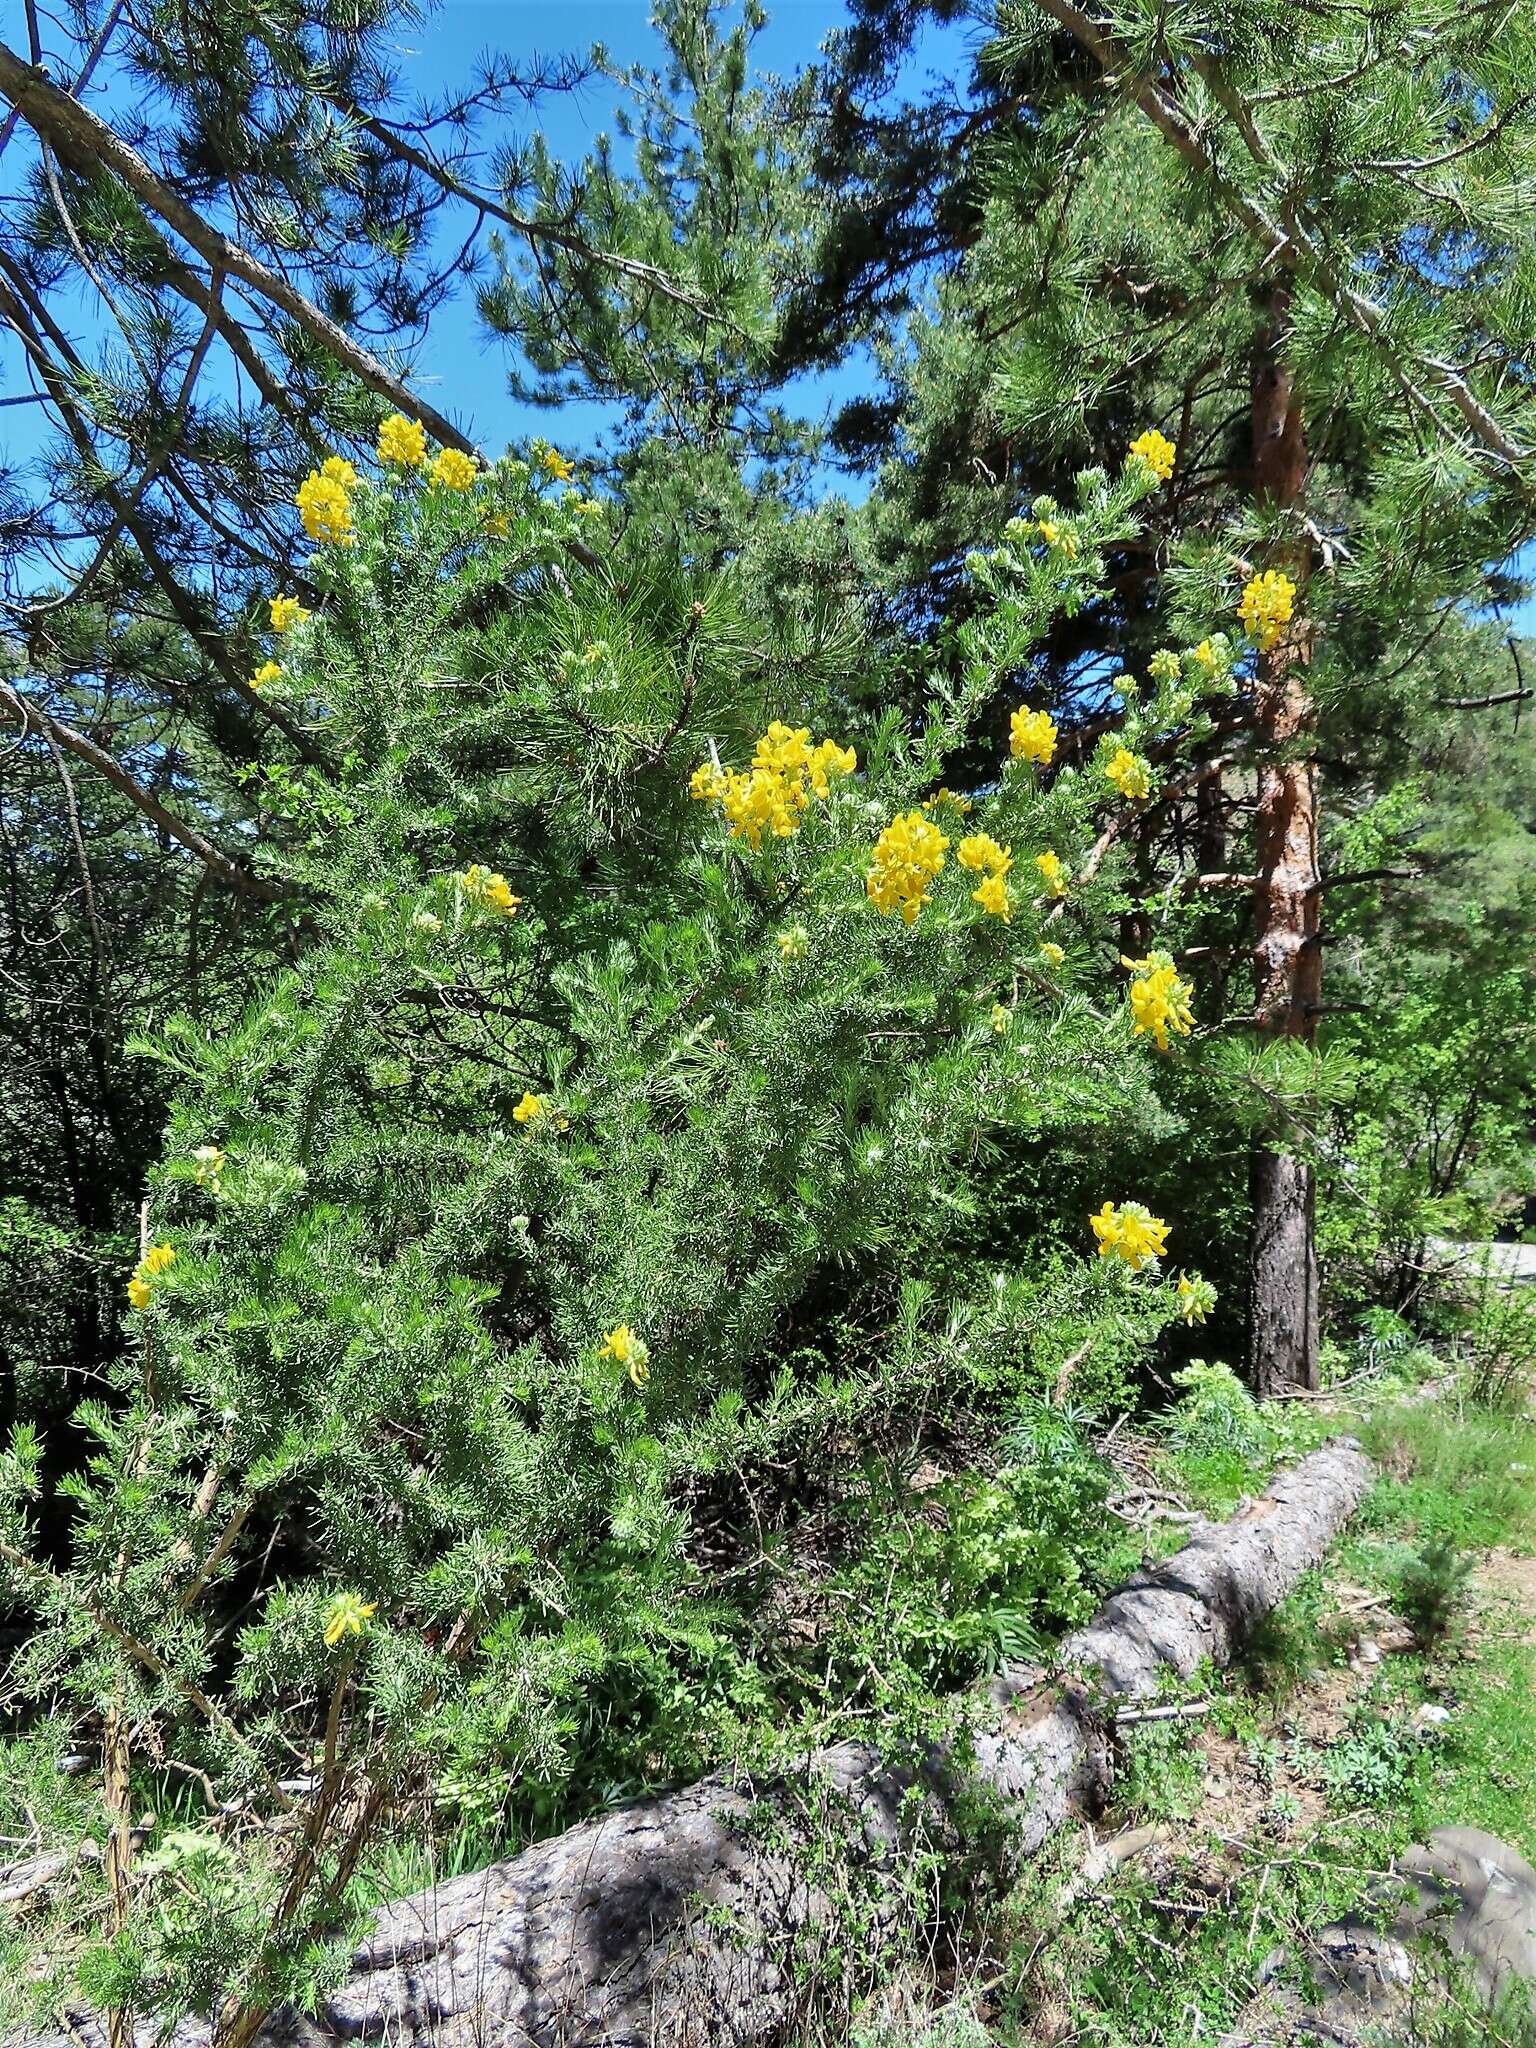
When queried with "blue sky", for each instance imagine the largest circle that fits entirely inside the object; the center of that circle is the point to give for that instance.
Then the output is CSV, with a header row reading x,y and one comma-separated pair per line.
x,y
443,52
458,366
463,370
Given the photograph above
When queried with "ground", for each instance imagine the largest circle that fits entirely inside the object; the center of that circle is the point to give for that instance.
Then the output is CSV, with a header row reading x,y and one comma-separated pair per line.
x,y
1394,1694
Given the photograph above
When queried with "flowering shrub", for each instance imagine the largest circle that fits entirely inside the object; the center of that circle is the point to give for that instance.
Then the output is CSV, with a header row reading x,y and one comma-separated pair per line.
x,y
613,1098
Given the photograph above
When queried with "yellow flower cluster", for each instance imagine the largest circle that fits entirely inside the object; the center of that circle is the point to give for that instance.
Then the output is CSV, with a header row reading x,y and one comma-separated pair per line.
x,y
454,470
1032,736
535,1109
774,794
403,441
285,612
1165,666
1059,537
961,804
982,855
325,501
210,1167
1268,602
1129,1232
490,891
348,1614
1054,871
626,1349
1213,657
157,1260
1159,998
1154,451
1197,1298
269,672
559,466
1130,774
908,856
1002,1017
1052,954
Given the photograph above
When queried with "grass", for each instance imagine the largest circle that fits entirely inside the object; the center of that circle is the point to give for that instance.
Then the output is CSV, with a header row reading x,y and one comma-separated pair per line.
x,y
1339,1773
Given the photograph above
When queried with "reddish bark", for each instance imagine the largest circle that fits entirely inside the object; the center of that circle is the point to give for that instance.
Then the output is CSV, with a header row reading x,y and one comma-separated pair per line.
x,y
1288,960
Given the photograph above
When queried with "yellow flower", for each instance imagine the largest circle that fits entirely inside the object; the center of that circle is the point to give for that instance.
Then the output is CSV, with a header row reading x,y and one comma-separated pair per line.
x,y
285,612
348,1614
455,470
1213,657
1197,1298
490,891
1054,870
210,1167
1268,602
827,759
992,895
908,856
1153,451
530,1107
157,1260
1160,999
269,672
324,500
980,852
498,525
1060,538
554,464
403,441
1032,736
962,804
1002,1017
1130,774
1164,666
794,943
1130,1232
1052,954
773,795
783,749
626,1349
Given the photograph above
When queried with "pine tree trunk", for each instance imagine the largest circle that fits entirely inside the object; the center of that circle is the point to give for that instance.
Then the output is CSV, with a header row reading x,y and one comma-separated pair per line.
x,y
1283,1325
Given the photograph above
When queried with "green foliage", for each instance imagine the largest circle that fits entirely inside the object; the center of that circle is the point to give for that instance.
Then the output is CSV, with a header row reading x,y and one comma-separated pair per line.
x,y
1468,1481
1431,1584
547,1191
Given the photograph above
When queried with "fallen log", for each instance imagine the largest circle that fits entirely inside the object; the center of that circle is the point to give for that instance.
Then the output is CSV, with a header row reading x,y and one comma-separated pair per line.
x,y
700,1918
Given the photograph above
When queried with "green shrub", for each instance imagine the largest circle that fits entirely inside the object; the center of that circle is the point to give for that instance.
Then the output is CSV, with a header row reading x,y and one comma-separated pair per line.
x,y
588,1154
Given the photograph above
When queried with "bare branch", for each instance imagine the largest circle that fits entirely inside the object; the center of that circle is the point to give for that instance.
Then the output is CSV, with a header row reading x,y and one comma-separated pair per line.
x,y
34,719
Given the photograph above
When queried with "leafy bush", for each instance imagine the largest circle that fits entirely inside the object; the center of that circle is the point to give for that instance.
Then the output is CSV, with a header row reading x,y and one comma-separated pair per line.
x,y
1430,1585
629,1077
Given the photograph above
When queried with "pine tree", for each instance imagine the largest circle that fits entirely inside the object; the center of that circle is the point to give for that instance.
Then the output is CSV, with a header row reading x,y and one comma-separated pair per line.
x,y
1307,258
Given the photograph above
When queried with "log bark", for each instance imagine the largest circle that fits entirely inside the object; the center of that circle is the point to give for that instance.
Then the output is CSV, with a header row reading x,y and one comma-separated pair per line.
x,y
1288,956
707,1917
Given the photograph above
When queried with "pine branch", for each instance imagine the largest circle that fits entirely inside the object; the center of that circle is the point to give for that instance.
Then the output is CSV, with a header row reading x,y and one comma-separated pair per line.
x,y
34,718
534,232
86,141
1286,241
30,322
